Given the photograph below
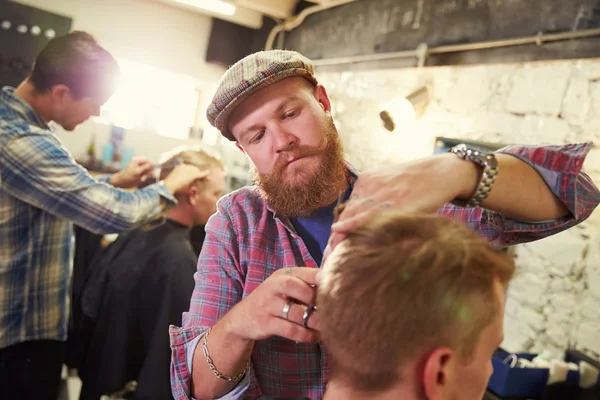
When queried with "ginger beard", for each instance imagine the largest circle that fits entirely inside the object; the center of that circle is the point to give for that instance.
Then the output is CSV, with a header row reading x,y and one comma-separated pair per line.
x,y
312,186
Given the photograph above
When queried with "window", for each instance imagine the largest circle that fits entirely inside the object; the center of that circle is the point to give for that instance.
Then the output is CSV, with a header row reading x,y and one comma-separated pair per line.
x,y
152,99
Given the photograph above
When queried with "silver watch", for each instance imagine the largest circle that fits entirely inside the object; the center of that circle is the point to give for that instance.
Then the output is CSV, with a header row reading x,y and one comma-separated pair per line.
x,y
488,162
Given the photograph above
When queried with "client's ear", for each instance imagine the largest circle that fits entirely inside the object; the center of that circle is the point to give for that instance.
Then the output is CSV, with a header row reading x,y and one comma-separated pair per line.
x,y
192,195
437,373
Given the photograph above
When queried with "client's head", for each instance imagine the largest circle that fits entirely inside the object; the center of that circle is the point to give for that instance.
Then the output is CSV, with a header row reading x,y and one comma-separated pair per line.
x,y
412,306
199,202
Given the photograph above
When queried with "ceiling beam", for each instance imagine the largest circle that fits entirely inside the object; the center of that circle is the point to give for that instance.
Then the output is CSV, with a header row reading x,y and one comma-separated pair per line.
x,y
242,16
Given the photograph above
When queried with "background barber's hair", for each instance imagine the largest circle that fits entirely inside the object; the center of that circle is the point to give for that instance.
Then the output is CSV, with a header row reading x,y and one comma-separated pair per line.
x,y
403,284
77,61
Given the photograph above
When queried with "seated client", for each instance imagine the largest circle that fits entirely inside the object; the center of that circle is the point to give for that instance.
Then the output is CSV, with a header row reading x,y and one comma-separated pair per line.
x,y
411,307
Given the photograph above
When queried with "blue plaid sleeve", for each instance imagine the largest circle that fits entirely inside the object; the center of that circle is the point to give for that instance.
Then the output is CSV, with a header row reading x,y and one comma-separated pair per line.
x,y
38,170
103,178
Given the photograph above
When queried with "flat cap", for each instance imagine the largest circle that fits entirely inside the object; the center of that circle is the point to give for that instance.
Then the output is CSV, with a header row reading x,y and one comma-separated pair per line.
x,y
250,74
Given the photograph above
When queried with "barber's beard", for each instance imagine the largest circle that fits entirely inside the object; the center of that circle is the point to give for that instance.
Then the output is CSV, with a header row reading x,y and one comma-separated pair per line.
x,y
295,199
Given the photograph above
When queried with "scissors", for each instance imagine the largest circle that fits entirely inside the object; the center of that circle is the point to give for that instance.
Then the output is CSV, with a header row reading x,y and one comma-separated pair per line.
x,y
167,165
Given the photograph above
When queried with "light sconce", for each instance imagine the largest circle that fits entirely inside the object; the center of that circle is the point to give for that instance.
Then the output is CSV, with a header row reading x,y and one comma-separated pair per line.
x,y
405,109
50,34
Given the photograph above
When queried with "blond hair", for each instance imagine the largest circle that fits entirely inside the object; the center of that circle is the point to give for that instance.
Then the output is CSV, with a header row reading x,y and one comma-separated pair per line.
x,y
403,284
196,156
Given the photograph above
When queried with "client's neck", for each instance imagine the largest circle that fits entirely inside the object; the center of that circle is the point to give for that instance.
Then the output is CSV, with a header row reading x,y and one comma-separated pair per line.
x,y
181,216
338,391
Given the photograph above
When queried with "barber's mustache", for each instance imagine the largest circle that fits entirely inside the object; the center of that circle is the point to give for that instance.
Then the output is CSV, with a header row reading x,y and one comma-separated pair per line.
x,y
300,151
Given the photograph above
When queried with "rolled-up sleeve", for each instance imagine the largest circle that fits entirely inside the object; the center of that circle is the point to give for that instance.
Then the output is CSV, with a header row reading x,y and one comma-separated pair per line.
x,y
560,167
218,287
237,392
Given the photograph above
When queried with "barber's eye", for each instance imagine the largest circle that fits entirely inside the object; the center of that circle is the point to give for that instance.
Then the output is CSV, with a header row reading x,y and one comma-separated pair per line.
x,y
291,114
258,137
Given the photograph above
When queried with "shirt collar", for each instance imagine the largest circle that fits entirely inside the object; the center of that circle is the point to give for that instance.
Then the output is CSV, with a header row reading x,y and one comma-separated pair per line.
x,y
21,107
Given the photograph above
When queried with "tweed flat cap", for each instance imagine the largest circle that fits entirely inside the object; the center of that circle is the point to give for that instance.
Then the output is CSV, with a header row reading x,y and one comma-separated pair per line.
x,y
250,74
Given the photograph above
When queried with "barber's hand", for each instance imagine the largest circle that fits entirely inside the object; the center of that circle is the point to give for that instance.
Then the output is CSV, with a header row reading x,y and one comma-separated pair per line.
x,y
421,186
182,177
261,315
137,171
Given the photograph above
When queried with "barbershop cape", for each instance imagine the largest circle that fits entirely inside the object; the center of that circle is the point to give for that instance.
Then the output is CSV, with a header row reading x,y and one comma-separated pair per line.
x,y
136,287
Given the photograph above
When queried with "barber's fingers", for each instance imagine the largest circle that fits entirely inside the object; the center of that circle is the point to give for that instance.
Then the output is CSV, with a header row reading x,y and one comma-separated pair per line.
x,y
291,283
306,274
294,312
141,165
201,175
353,217
291,331
299,311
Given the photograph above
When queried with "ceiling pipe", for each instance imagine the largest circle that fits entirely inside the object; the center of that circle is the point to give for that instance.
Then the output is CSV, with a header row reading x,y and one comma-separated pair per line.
x,y
277,9
538,39
295,21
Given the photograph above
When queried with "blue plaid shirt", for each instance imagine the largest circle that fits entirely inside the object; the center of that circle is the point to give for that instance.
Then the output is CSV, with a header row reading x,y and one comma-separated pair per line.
x,y
43,190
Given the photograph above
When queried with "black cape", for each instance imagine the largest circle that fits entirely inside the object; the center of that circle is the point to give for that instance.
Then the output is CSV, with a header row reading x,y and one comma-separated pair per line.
x,y
135,288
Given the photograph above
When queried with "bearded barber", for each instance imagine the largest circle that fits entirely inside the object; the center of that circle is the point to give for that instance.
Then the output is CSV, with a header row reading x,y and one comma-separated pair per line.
x,y
252,329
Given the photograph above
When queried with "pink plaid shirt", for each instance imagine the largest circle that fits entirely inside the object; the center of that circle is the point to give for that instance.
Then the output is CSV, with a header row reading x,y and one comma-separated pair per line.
x,y
245,243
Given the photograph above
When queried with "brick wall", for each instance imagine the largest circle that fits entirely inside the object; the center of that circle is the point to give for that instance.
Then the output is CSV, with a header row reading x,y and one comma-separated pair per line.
x,y
554,302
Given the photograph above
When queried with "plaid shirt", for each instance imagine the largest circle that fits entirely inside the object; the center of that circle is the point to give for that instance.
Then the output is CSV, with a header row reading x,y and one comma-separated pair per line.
x,y
41,189
245,243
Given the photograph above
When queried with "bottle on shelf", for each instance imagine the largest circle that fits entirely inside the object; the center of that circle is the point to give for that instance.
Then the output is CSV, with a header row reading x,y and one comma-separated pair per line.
x,y
91,151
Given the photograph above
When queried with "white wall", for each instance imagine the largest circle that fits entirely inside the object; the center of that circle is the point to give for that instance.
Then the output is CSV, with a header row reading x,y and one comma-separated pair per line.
x,y
554,302
145,144
143,31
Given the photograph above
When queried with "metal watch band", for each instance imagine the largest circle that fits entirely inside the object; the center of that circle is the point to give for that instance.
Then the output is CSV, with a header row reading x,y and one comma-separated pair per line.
x,y
490,170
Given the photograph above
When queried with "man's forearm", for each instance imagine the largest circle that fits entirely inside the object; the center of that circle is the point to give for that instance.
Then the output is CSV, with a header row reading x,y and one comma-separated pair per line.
x,y
519,191
230,355
116,181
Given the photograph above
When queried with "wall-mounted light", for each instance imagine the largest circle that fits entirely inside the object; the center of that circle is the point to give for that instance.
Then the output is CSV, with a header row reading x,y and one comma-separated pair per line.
x,y
216,6
22,29
405,109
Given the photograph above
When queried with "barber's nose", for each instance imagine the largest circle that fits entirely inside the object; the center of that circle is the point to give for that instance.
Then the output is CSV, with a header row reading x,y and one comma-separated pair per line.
x,y
283,139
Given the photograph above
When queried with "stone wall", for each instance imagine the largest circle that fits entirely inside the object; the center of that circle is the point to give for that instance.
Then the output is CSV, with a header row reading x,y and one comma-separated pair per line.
x,y
554,301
